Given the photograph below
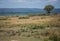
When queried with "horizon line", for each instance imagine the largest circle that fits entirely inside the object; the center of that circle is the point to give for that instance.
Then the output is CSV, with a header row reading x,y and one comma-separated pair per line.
x,y
36,8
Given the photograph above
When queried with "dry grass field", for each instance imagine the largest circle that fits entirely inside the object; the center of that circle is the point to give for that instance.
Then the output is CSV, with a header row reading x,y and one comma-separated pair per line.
x,y
30,28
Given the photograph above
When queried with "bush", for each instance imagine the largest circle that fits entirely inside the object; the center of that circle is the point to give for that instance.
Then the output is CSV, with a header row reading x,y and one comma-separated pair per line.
x,y
37,27
1,30
23,18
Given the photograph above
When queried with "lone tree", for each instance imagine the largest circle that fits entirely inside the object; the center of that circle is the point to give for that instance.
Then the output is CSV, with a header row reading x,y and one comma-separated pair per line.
x,y
49,8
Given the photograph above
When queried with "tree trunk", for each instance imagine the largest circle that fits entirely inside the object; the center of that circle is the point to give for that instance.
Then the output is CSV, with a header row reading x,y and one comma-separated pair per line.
x,y
48,12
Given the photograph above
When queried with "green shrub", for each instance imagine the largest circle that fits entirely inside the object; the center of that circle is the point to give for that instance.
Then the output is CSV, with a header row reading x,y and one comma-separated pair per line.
x,y
41,26
37,27
1,30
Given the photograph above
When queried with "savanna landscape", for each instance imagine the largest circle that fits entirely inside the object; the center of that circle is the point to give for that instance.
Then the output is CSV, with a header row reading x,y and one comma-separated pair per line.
x,y
29,20
30,28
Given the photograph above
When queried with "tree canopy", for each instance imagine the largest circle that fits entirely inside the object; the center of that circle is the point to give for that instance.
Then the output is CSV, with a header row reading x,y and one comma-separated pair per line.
x,y
49,8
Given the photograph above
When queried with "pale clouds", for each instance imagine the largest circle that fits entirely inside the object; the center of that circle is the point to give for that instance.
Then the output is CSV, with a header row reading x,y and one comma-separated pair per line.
x,y
52,0
34,1
19,1
27,1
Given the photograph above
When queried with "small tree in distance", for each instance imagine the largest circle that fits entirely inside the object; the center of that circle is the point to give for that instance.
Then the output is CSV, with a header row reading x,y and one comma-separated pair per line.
x,y
49,8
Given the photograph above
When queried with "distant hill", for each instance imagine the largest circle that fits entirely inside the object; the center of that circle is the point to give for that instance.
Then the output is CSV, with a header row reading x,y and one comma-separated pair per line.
x,y
24,11
19,10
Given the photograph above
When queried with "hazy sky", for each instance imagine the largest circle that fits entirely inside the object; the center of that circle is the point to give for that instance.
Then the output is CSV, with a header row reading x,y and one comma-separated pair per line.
x,y
28,3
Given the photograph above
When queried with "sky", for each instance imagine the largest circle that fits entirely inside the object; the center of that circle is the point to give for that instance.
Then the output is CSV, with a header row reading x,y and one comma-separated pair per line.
x,y
28,3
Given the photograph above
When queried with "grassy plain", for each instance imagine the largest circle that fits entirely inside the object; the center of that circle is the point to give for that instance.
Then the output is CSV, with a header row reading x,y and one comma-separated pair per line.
x,y
30,28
